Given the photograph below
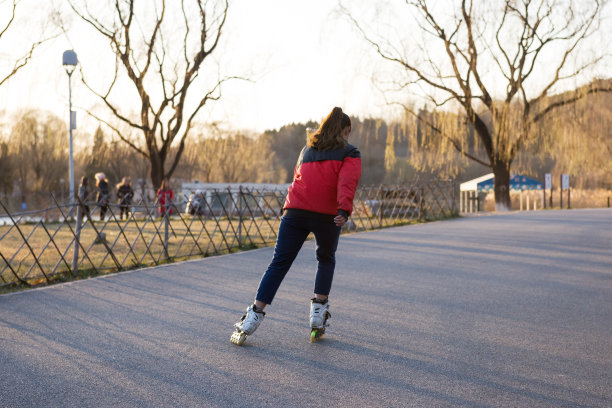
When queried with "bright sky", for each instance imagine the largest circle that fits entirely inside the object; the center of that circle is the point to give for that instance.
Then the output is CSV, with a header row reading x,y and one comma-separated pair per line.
x,y
301,58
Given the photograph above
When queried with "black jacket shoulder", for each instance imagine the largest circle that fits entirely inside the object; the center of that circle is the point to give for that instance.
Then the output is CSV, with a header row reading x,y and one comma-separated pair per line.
x,y
310,154
352,151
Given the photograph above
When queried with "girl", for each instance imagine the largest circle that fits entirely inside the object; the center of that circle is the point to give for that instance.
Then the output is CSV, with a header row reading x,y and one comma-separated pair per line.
x,y
103,197
319,200
124,197
165,195
84,196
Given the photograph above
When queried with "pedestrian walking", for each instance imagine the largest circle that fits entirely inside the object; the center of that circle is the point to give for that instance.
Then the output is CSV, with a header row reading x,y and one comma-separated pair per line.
x,y
124,193
84,196
194,203
319,200
165,195
103,197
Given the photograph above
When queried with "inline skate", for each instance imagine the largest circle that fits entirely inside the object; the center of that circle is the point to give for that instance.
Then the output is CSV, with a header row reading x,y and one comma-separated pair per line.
x,y
249,322
319,313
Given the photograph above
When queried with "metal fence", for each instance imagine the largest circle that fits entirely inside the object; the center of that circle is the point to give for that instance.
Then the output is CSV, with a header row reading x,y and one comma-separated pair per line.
x,y
63,242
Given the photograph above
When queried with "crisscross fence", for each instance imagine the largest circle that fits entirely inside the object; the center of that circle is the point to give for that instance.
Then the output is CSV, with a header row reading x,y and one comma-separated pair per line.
x,y
62,242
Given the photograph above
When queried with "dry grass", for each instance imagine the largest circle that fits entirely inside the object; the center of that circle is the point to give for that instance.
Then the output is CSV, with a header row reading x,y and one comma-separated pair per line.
x,y
132,244
587,198
596,198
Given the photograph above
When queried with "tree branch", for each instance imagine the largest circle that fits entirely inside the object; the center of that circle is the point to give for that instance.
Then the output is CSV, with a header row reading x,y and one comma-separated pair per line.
x,y
105,99
473,68
578,96
13,13
23,60
118,133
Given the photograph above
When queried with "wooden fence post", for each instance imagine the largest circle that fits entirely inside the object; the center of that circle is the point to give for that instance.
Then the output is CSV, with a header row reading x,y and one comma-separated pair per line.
x,y
240,198
77,234
527,197
380,206
166,231
421,191
561,192
551,197
453,197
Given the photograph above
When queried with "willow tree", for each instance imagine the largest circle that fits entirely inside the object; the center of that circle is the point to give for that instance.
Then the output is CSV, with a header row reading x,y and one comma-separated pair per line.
x,y
502,63
38,148
161,48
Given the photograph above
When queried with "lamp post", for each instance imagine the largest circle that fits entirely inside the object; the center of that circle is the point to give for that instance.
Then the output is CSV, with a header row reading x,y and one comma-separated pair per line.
x,y
69,61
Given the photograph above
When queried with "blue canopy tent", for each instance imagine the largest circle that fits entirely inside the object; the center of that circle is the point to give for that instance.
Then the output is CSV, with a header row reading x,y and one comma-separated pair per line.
x,y
518,182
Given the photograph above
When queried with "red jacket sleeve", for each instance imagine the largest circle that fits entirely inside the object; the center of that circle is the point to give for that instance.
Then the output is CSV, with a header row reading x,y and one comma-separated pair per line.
x,y
348,178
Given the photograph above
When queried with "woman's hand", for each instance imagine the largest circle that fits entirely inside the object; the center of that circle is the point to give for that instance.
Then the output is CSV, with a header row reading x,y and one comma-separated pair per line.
x,y
340,220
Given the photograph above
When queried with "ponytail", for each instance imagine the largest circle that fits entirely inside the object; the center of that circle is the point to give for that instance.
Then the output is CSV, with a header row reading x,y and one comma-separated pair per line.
x,y
329,135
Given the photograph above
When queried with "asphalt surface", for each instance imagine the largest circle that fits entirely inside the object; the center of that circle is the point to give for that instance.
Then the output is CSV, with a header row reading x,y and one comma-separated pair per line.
x,y
510,310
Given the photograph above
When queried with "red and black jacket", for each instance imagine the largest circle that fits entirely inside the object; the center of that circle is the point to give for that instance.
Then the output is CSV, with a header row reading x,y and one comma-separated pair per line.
x,y
324,182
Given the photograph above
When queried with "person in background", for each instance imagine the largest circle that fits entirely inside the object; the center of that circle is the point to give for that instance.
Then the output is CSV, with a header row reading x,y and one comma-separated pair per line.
x,y
165,195
319,200
84,196
103,197
194,204
124,196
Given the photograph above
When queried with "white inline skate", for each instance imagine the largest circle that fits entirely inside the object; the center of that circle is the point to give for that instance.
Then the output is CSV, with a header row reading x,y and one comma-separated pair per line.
x,y
319,313
247,325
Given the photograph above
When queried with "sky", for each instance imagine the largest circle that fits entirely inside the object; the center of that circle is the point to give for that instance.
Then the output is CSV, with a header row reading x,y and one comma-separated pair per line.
x,y
301,59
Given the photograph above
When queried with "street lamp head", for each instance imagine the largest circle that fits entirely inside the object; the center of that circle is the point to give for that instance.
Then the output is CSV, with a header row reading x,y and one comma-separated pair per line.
x,y
70,61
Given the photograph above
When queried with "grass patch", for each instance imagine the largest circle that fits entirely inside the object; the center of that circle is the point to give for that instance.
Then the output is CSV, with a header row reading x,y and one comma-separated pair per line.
x,y
136,244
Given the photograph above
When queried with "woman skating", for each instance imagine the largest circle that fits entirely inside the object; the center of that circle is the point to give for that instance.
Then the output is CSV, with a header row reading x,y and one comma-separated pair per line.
x,y
319,200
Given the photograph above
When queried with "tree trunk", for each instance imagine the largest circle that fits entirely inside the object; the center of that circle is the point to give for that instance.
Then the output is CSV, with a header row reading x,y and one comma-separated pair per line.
x,y
502,186
157,171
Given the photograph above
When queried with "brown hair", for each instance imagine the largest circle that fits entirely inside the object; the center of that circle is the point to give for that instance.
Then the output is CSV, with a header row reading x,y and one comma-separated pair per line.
x,y
329,135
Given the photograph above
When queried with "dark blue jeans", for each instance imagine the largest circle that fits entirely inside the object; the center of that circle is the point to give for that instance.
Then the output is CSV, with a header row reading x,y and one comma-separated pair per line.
x,y
292,233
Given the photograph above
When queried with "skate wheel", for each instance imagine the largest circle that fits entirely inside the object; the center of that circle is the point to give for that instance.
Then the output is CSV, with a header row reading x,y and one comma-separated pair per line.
x,y
238,337
316,334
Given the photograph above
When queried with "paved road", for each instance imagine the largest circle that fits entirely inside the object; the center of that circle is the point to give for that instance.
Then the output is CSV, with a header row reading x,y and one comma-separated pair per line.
x,y
509,310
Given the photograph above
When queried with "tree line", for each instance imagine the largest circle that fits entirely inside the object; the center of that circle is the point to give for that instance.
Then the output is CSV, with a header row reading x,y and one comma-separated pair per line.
x,y
34,153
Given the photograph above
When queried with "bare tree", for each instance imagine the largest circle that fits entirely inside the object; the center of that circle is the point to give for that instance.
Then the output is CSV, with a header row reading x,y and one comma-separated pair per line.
x,y
501,62
162,78
8,20
232,157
